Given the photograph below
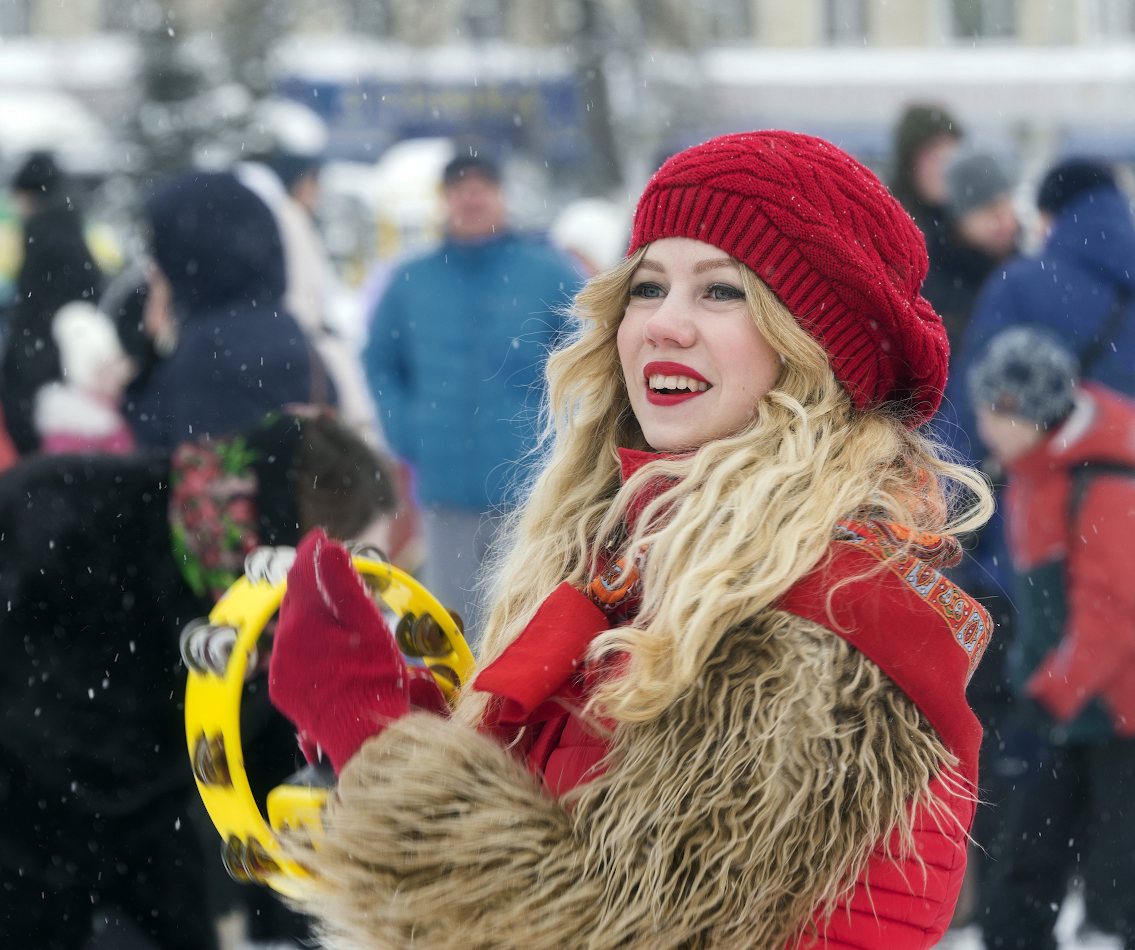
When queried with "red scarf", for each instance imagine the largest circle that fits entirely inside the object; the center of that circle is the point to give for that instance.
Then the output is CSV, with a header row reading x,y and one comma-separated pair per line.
x,y
880,588
617,588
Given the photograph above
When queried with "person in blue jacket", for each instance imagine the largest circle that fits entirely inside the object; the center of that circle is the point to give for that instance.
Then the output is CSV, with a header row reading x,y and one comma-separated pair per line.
x,y
1080,288
455,362
215,307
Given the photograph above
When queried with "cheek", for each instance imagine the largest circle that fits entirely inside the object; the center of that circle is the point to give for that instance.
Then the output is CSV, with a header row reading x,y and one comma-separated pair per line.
x,y
629,340
749,366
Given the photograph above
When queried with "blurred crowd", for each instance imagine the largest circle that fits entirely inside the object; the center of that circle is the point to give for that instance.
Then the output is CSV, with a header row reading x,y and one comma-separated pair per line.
x,y
161,422
1042,371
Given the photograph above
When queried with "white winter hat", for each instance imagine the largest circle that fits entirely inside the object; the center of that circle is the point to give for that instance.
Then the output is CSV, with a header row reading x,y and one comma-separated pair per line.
x,y
87,342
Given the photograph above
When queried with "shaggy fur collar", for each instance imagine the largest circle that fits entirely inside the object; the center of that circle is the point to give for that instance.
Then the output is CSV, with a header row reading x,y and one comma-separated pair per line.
x,y
752,804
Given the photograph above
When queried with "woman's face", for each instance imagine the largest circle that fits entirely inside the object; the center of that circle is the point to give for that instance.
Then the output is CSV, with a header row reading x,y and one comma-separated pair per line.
x,y
929,168
694,362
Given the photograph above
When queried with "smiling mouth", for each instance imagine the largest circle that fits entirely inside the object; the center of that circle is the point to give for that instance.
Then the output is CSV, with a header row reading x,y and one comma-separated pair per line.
x,y
659,383
668,383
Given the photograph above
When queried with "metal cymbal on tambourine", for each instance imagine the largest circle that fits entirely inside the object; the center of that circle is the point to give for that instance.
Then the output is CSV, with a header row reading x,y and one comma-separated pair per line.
x,y
221,650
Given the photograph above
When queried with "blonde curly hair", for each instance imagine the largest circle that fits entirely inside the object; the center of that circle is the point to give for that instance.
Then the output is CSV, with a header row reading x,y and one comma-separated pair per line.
x,y
746,516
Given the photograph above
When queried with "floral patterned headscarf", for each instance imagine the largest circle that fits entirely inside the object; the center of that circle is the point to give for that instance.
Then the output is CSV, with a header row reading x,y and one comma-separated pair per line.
x,y
212,512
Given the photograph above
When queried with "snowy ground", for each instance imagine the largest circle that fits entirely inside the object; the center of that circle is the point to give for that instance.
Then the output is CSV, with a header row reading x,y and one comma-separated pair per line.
x,y
1067,924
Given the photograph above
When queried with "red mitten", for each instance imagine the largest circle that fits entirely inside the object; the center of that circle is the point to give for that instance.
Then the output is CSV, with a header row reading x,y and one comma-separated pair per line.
x,y
336,671
425,694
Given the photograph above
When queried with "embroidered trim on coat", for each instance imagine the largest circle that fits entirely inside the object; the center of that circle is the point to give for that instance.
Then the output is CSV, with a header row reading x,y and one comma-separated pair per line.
x,y
914,557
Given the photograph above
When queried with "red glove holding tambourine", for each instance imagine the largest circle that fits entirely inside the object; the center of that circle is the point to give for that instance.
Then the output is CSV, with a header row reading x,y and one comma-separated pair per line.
x,y
336,671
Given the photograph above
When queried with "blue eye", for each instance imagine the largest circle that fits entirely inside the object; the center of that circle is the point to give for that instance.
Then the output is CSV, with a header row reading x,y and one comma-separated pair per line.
x,y
724,292
648,290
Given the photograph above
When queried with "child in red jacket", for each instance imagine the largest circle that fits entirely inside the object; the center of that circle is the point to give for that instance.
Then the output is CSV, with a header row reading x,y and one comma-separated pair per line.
x,y
721,692
1068,449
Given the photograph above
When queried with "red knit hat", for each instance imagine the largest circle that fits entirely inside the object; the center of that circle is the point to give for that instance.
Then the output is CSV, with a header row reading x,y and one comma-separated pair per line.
x,y
828,239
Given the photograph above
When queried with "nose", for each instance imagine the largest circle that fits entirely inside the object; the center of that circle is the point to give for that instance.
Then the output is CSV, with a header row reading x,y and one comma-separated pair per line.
x,y
671,324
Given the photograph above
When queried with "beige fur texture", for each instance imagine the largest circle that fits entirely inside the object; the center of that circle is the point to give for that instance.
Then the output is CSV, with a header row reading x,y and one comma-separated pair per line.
x,y
751,804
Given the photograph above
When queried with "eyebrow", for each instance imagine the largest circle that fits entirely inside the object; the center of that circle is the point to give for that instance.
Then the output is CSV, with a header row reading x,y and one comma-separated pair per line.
x,y
699,268
702,266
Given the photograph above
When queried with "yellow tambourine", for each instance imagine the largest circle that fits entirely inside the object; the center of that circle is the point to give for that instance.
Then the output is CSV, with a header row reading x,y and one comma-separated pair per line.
x,y
220,651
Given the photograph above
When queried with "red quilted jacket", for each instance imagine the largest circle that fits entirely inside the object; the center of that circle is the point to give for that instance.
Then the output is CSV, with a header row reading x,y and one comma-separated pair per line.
x,y
1088,539
920,629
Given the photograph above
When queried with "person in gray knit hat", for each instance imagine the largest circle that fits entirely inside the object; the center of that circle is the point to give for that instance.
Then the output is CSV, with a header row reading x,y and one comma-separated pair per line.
x,y
980,203
1025,373
1022,387
982,231
1066,446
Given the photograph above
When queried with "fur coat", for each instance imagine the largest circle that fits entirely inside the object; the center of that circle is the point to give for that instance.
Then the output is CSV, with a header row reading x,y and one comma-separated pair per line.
x,y
814,784
808,786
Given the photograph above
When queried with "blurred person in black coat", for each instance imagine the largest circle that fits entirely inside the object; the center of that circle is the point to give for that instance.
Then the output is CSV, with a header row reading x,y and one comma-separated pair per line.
x,y
101,566
214,307
981,231
57,269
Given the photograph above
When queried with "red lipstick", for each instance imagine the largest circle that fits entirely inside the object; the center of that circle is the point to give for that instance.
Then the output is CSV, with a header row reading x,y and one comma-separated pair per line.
x,y
667,368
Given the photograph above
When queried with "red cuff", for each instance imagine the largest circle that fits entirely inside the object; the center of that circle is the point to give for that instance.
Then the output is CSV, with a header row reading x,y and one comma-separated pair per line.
x,y
348,727
425,694
545,655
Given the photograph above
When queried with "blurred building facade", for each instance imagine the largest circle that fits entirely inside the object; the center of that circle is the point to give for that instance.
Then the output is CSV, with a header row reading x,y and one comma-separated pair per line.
x,y
576,96
681,23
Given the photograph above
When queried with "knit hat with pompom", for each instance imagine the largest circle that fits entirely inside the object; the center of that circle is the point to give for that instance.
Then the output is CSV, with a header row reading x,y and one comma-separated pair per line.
x,y
829,240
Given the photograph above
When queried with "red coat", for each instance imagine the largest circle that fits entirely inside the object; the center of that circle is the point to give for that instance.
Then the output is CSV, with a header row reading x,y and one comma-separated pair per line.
x,y
1092,539
9,456
922,631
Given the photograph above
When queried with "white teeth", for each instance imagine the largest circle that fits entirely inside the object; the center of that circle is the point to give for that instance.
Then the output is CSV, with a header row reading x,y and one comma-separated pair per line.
x,y
658,381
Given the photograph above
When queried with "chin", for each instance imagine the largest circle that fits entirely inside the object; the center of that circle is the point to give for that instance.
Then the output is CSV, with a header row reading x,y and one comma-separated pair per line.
x,y
672,442
687,438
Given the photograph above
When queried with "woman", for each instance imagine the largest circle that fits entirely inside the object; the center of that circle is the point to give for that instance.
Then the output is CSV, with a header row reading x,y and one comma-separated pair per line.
x,y
721,697
926,138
